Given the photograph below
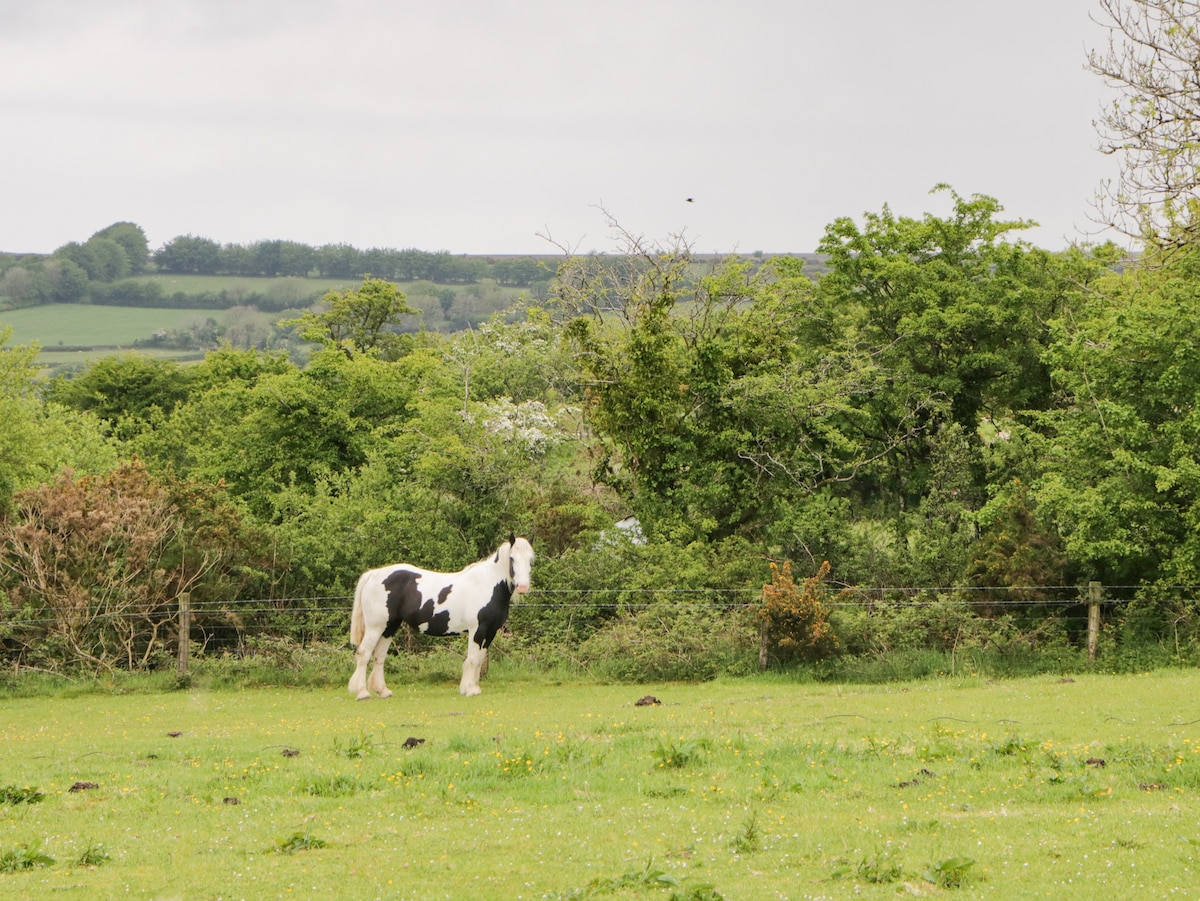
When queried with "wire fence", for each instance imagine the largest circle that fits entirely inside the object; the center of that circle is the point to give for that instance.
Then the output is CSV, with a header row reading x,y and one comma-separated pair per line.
x,y
990,599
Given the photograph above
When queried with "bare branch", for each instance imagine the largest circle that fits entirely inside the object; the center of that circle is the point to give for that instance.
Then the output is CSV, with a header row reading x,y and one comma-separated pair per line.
x,y
1152,58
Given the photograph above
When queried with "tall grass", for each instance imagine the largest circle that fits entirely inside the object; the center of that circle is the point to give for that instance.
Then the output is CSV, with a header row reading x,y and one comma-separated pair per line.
x,y
749,788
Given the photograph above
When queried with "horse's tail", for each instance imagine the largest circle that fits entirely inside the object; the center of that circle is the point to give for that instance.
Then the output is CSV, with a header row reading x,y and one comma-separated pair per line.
x,y
357,626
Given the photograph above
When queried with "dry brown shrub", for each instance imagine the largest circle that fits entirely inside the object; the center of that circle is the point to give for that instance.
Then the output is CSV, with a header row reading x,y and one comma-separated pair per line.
x,y
795,619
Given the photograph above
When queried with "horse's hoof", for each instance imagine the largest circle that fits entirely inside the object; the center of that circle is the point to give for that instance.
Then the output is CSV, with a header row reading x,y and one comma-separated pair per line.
x,y
363,696
386,693
470,690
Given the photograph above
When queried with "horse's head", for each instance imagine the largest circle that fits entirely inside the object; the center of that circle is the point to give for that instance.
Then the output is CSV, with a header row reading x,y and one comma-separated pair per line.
x,y
520,563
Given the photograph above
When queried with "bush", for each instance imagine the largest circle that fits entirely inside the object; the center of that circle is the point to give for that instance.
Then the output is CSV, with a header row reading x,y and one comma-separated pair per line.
x,y
672,642
795,621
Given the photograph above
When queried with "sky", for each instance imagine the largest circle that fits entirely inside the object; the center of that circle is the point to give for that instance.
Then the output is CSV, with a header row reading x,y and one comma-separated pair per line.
x,y
526,126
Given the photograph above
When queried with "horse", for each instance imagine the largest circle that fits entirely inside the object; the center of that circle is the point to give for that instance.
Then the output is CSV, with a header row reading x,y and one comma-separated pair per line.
x,y
474,600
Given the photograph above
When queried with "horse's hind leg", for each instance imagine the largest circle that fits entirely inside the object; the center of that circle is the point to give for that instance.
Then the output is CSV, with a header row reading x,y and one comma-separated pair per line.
x,y
376,683
362,655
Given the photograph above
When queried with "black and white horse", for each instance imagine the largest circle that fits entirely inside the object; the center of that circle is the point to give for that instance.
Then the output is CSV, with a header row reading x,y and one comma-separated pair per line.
x,y
475,601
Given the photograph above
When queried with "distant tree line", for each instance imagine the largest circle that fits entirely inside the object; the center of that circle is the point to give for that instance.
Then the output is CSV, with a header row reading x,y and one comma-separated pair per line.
x,y
203,256
104,269
69,274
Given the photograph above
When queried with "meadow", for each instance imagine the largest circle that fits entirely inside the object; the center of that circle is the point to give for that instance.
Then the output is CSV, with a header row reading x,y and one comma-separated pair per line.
x,y
758,788
88,325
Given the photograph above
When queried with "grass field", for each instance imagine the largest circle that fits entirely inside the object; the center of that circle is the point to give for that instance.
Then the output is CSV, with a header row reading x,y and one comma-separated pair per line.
x,y
197,284
85,325
755,789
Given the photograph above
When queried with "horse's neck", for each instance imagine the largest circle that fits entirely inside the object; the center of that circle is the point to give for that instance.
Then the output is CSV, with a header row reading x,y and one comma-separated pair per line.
x,y
500,561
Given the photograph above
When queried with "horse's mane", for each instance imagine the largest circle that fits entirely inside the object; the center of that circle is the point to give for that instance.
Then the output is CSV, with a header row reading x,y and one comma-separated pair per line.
x,y
489,560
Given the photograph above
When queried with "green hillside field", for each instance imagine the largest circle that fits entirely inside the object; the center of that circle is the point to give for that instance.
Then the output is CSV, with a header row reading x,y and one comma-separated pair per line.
x,y
79,333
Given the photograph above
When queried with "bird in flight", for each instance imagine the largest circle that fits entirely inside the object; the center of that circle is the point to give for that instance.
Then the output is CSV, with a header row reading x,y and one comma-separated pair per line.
x,y
690,200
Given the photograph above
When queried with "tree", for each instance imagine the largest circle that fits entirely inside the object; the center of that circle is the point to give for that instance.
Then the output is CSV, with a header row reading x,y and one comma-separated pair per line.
x,y
339,261
1153,59
124,391
103,259
1121,465
282,431
132,240
26,286
188,253
38,439
724,398
957,314
65,280
358,320
295,259
94,565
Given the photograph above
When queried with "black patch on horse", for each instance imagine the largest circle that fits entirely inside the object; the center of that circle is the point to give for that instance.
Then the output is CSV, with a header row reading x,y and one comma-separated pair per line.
x,y
406,605
493,614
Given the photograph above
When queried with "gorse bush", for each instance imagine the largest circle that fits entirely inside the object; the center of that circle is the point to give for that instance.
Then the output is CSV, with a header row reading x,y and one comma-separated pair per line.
x,y
794,618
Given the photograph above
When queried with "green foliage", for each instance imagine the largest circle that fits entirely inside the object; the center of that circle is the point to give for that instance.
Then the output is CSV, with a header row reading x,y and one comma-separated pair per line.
x,y
93,855
748,839
282,428
24,857
16,794
96,565
670,641
951,872
659,350
131,238
300,841
1015,548
679,755
649,877
38,439
1122,476
355,748
359,321
882,867
925,621
948,300
126,391
944,409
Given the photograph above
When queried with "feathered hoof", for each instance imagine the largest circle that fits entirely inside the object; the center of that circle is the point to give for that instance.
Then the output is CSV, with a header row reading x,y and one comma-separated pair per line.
x,y
470,690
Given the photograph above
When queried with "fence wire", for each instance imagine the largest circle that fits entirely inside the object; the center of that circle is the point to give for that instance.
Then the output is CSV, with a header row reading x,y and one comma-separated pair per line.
x,y
989,598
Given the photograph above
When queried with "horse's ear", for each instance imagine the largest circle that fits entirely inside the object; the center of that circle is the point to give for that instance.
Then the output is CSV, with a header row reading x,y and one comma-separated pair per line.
x,y
512,537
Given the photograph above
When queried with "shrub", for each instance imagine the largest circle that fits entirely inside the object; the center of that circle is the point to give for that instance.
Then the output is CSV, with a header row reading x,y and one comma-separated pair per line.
x,y
671,641
795,621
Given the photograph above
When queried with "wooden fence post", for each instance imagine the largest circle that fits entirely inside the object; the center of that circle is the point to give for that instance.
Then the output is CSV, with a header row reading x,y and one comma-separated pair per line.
x,y
1093,618
185,631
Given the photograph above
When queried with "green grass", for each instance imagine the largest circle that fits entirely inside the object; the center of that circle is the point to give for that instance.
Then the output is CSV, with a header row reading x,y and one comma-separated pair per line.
x,y
86,325
749,789
199,284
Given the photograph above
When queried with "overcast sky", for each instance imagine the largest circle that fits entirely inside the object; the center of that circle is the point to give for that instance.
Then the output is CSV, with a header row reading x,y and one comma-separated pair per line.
x,y
474,125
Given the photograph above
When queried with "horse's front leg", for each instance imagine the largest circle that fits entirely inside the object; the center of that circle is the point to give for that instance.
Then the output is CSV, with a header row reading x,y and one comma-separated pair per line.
x,y
476,658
